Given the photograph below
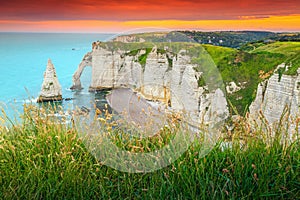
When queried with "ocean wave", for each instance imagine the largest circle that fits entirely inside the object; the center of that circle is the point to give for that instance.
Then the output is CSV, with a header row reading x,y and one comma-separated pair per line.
x,y
84,93
33,100
3,104
68,89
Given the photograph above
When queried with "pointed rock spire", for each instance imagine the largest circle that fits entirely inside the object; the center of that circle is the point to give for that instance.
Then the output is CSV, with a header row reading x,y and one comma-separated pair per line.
x,y
51,89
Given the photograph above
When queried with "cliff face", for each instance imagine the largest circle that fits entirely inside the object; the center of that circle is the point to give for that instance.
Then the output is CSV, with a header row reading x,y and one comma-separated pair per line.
x,y
163,76
51,89
156,77
275,95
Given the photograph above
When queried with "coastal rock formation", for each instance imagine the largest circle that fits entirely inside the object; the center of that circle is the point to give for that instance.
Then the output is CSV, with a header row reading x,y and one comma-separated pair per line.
x,y
184,86
156,77
197,101
51,89
162,76
277,94
232,87
86,61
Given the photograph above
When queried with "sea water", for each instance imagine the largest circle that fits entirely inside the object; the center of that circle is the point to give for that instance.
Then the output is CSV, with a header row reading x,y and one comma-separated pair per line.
x,y
23,60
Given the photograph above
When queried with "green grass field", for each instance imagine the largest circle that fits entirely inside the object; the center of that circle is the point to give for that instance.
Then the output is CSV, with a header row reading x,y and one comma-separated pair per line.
x,y
291,51
287,48
40,159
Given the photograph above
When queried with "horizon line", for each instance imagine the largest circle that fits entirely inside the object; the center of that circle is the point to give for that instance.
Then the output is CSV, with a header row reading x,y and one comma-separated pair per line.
x,y
82,32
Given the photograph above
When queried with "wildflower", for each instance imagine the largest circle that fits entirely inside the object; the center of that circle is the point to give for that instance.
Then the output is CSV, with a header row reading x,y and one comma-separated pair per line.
x,y
227,193
255,176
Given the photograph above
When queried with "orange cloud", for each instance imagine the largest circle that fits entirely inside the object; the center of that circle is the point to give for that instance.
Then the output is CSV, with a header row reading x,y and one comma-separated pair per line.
x,y
273,23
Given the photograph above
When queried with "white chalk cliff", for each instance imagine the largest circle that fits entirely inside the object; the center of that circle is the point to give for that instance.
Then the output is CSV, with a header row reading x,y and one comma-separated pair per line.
x,y
86,61
51,89
276,95
164,77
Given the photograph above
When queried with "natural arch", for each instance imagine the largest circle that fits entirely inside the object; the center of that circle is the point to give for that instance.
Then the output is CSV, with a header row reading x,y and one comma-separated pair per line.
x,y
86,61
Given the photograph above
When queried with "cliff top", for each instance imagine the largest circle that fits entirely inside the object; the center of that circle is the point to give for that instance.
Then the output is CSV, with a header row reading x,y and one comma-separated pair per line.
x,y
246,67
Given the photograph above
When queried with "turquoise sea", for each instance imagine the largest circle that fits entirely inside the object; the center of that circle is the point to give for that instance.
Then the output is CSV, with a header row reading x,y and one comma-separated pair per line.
x,y
23,60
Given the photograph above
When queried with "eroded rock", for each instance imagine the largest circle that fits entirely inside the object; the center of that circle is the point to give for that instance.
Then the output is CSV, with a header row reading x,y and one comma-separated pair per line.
x,y
86,61
276,97
164,77
51,89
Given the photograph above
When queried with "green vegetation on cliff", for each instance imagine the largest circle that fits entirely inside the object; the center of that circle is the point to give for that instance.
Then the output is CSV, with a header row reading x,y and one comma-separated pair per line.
x,y
243,68
290,50
246,67
143,58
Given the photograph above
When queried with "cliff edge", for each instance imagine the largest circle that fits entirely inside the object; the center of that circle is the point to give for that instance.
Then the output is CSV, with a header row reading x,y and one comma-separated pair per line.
x,y
278,99
158,74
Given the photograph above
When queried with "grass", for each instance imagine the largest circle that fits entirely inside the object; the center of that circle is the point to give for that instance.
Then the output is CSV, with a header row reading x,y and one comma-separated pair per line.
x,y
143,58
287,48
243,67
40,159
290,50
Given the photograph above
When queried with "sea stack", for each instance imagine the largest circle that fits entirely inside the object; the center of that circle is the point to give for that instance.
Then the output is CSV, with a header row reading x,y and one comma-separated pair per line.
x,y
51,89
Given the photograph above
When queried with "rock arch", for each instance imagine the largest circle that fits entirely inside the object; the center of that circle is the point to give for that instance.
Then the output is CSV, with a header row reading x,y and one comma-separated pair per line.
x,y
86,62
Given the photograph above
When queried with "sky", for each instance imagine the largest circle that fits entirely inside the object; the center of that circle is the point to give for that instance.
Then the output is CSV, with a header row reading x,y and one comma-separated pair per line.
x,y
126,15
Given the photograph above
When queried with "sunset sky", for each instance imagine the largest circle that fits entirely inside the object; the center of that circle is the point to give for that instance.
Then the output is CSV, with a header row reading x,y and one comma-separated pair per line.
x,y
125,15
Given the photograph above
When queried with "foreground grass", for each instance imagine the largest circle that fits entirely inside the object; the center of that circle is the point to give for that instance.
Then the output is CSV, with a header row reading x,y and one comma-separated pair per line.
x,y
42,160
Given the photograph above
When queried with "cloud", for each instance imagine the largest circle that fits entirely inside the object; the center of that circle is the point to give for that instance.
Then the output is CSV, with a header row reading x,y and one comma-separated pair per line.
x,y
276,23
124,10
